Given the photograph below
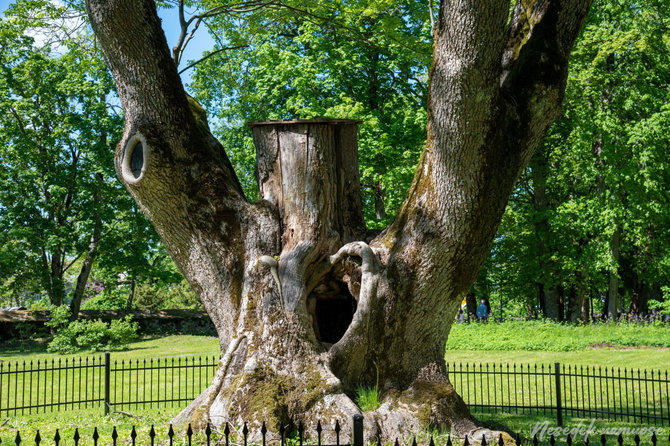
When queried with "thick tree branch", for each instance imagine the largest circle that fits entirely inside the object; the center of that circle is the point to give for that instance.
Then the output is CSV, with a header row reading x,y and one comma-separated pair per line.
x,y
535,65
182,178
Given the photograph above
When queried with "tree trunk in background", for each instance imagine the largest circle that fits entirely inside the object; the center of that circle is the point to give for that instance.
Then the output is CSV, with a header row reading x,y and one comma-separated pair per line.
x,y
639,299
471,305
89,257
613,288
305,310
548,292
131,293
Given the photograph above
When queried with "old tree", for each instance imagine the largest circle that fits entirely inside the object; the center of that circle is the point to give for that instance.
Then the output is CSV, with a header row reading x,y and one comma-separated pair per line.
x,y
306,306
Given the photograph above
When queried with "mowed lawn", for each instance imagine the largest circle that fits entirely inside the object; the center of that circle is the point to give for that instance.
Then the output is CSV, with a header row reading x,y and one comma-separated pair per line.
x,y
525,337
151,347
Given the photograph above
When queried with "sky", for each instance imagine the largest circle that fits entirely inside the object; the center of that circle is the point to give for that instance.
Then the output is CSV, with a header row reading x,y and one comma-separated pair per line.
x,y
201,42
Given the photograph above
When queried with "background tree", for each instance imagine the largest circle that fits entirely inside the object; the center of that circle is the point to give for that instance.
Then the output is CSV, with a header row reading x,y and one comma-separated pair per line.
x,y
365,60
496,85
62,209
584,223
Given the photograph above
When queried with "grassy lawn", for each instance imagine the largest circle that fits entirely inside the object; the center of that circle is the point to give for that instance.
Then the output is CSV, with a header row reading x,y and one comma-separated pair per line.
x,y
152,347
550,336
643,358
510,343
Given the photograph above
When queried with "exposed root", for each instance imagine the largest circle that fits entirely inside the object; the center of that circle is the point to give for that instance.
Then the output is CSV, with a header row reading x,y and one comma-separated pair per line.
x,y
197,413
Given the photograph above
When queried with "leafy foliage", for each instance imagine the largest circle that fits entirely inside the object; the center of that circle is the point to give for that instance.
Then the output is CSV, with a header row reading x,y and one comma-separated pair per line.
x,y
60,123
364,60
593,202
89,335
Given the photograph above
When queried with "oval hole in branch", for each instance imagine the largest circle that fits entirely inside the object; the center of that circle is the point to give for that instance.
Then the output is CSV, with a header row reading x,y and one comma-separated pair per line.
x,y
135,159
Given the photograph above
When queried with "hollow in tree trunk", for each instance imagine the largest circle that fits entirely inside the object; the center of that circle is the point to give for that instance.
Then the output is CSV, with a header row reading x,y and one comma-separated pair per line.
x,y
306,309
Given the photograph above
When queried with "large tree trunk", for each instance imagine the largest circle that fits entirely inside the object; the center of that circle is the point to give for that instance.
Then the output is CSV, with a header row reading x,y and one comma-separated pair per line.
x,y
306,310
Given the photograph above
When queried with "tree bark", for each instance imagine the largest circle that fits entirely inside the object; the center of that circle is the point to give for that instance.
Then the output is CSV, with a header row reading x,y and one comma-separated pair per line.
x,y
268,272
89,257
613,288
547,289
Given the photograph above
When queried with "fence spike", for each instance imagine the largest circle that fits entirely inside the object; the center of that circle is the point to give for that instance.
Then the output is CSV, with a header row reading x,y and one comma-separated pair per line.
x,y
517,439
38,439
115,435
586,440
414,441
208,433
430,443
535,440
245,432
264,430
501,442
152,434
189,433
449,443
620,439
76,436
552,440
95,436
337,433
396,442
319,429
637,440
653,438
603,439
226,432
466,441
17,439
569,440
133,435
483,440
57,437
171,434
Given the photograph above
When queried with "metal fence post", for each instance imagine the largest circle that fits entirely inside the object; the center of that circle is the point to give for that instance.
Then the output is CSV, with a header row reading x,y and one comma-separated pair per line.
x,y
557,375
358,430
107,380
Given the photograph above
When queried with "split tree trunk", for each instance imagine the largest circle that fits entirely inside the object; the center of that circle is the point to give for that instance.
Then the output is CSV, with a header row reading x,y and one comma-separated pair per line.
x,y
305,309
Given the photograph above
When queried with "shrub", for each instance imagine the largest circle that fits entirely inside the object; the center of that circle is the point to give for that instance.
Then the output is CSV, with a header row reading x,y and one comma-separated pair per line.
x,y
95,335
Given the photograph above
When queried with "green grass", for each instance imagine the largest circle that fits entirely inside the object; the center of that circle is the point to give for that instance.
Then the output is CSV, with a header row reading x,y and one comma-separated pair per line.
x,y
134,376
526,425
86,419
367,398
550,336
527,343
644,358
149,347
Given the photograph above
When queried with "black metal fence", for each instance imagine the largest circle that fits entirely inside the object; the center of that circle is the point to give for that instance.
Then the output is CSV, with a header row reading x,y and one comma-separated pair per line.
x,y
43,386
602,392
631,395
321,438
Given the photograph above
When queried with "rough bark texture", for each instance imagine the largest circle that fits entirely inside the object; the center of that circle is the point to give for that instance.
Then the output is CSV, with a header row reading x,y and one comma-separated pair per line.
x,y
304,308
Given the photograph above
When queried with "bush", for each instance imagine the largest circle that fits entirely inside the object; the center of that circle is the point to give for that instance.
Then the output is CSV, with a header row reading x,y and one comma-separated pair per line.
x,y
95,335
